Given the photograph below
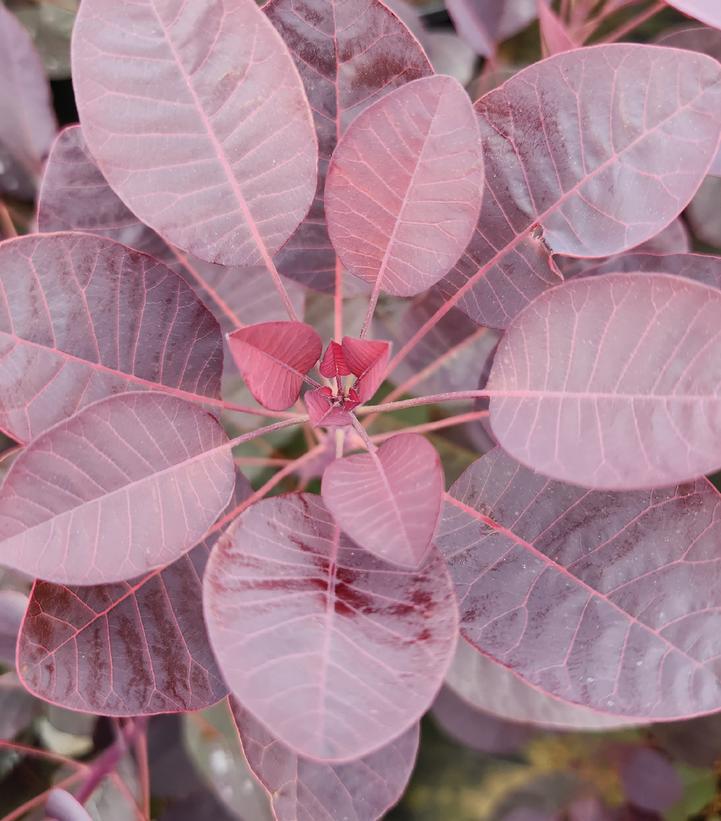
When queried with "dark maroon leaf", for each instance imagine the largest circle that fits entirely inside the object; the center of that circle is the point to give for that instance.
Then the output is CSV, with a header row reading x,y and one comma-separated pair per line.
x,y
62,806
619,390
349,53
650,780
610,600
586,154
82,318
12,609
367,360
361,790
486,23
273,358
334,651
404,186
127,485
707,11
190,141
389,501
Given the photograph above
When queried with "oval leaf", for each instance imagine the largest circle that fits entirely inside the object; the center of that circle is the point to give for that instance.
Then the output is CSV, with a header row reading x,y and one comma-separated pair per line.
x,y
361,790
620,389
127,485
273,358
610,600
707,11
82,318
334,651
349,53
404,186
390,501
197,159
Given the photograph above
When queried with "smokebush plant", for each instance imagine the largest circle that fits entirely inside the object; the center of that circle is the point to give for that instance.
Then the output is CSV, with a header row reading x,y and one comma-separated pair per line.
x,y
231,160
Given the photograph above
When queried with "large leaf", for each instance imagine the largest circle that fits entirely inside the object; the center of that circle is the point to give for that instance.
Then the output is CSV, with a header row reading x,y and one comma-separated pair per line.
x,y
389,501
127,485
133,648
349,54
587,154
361,790
82,318
404,186
486,23
707,11
217,154
613,382
610,600
334,651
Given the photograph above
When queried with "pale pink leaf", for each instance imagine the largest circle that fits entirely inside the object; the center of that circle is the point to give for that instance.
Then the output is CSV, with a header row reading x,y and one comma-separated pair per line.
x,y
367,360
189,137
486,23
613,382
555,37
82,318
334,651
130,483
301,788
404,186
707,11
609,600
349,53
389,501
273,358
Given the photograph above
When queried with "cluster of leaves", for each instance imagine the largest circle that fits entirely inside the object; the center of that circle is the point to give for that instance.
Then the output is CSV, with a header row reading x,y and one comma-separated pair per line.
x,y
230,161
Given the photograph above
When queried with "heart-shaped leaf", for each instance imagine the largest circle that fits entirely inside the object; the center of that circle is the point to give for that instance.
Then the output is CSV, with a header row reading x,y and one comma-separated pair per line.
x,y
196,158
621,389
609,600
127,485
388,501
334,651
367,360
333,363
274,358
707,11
361,790
83,318
404,186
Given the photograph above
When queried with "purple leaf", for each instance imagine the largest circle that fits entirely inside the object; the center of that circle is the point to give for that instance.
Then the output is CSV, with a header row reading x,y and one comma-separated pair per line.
x,y
273,358
190,140
17,707
367,360
62,806
707,11
362,790
650,781
388,501
404,186
144,641
349,54
587,154
82,318
127,485
486,23
12,609
610,600
334,651
699,267
555,37
620,389
703,212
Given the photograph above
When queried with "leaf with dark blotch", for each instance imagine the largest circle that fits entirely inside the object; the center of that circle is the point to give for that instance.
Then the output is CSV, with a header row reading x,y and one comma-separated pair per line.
x,y
334,651
366,360
609,600
620,389
404,186
189,140
389,501
127,485
486,23
82,318
586,154
273,358
707,11
300,788
349,53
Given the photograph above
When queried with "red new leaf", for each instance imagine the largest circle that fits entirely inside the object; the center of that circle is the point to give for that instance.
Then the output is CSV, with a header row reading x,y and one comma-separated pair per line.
x,y
191,141
334,651
82,318
555,37
610,600
620,389
404,186
333,363
486,23
127,485
707,11
328,412
273,358
367,360
361,790
587,154
388,501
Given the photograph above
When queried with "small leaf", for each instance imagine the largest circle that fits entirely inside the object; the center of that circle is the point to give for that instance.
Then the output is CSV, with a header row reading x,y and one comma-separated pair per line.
x,y
324,412
404,186
273,358
127,485
389,502
555,37
707,11
334,651
367,360
361,790
333,363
